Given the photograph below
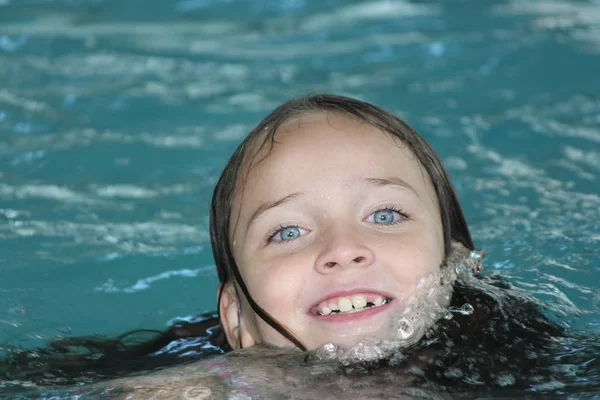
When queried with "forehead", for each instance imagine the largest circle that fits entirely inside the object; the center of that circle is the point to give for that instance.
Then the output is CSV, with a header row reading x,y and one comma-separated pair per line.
x,y
322,142
329,149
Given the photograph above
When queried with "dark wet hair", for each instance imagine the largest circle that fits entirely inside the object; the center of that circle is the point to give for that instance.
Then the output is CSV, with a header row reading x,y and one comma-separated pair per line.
x,y
232,179
85,359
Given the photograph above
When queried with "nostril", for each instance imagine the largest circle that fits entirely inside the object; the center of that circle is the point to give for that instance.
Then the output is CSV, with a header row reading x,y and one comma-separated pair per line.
x,y
359,259
330,264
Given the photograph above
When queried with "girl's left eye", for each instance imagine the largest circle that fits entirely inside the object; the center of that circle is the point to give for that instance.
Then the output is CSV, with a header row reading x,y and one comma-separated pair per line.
x,y
286,234
386,216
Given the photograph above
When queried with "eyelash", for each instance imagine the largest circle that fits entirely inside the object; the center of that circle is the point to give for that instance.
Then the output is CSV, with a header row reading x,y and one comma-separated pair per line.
x,y
390,207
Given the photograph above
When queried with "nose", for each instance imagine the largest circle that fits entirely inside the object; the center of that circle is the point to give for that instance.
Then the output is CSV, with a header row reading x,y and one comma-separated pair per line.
x,y
343,250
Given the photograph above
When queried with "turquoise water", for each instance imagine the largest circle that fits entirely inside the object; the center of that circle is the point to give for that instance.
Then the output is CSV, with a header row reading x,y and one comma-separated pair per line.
x,y
117,117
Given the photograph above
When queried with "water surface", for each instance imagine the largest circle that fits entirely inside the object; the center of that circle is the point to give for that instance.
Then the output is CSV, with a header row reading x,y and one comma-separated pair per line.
x,y
116,119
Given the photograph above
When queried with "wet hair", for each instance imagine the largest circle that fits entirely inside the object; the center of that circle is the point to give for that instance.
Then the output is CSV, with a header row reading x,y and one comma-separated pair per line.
x,y
232,180
85,359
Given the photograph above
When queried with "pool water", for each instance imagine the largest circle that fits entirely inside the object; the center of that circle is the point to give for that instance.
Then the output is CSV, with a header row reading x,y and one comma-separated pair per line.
x,y
116,119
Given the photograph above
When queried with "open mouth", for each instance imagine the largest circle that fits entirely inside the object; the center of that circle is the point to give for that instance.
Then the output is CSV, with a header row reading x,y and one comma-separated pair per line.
x,y
349,304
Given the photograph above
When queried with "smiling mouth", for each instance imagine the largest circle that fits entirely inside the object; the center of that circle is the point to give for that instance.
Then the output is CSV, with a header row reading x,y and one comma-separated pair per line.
x,y
349,305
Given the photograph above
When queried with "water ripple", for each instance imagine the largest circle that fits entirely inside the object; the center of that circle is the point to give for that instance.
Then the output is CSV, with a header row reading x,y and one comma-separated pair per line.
x,y
116,118
145,283
366,11
561,14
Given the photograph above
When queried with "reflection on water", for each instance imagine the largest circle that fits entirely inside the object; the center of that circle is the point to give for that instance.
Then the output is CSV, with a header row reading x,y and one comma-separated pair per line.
x,y
117,117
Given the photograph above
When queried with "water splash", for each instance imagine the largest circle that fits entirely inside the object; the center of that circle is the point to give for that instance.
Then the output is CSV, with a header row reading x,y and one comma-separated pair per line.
x,y
429,303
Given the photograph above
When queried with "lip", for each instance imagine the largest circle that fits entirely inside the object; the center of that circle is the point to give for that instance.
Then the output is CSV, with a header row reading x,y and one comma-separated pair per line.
x,y
355,316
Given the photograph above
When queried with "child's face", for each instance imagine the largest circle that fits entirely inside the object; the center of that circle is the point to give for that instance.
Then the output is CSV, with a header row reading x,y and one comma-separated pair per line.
x,y
337,215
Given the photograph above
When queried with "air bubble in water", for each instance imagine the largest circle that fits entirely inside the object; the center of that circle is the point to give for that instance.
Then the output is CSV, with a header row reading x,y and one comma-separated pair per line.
x,y
459,269
328,351
467,309
406,329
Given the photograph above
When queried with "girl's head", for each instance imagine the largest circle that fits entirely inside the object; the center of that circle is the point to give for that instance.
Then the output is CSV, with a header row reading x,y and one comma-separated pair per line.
x,y
323,222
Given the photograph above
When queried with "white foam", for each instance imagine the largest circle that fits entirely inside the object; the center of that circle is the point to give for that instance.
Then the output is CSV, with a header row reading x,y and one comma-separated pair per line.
x,y
427,305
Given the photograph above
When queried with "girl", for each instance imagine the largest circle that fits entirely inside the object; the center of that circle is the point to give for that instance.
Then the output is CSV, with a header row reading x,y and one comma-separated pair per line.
x,y
324,221
335,230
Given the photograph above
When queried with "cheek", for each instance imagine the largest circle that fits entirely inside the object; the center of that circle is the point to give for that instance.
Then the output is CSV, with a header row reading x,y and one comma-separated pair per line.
x,y
276,285
415,256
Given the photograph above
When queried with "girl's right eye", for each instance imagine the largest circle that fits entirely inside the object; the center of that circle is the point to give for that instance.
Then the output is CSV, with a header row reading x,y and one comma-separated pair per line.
x,y
286,234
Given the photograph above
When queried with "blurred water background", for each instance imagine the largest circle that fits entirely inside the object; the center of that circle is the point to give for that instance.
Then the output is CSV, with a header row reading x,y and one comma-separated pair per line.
x,y
116,118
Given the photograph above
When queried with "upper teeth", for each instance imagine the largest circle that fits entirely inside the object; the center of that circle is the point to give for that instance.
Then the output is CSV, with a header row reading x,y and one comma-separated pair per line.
x,y
350,304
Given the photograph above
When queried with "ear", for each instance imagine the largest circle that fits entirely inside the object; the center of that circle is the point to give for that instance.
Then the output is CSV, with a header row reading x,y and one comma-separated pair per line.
x,y
233,320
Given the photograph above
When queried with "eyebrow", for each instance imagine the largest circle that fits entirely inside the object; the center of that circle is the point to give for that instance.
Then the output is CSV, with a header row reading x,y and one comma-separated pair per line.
x,y
389,181
267,205
392,181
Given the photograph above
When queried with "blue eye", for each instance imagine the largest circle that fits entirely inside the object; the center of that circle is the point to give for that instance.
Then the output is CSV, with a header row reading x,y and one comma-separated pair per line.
x,y
286,234
386,216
